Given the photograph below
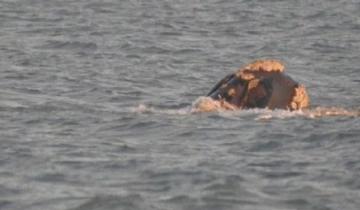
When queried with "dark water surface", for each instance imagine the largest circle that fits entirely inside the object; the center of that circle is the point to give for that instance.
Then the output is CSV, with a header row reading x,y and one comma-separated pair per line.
x,y
95,99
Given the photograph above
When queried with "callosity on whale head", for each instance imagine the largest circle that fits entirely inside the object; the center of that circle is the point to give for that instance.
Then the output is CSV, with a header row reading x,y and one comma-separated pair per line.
x,y
261,84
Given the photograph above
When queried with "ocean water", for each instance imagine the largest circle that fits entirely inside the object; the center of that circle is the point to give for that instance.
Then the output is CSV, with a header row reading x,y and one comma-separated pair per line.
x,y
96,100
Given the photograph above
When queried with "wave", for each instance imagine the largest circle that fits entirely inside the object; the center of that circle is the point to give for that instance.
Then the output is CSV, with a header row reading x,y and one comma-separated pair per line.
x,y
311,113
259,114
142,108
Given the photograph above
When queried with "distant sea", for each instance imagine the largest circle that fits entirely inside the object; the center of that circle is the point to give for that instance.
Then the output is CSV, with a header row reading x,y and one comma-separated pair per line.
x,y
96,99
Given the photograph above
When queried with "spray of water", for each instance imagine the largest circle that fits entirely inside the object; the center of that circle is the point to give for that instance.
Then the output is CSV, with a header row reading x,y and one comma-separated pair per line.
x,y
205,104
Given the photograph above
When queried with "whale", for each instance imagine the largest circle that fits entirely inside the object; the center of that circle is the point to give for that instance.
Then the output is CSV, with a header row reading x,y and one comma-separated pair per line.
x,y
259,84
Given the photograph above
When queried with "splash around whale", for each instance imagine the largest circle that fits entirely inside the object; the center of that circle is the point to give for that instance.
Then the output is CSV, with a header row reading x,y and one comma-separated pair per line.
x,y
261,88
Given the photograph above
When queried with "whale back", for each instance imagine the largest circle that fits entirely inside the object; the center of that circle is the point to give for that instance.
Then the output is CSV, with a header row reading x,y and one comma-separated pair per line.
x,y
261,84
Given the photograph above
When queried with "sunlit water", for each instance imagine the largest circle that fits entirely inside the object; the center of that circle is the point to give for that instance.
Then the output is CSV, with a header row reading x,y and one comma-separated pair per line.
x,y
97,105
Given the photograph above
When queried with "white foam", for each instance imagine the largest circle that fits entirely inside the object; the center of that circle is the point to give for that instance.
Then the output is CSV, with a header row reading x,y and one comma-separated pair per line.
x,y
311,113
259,114
143,108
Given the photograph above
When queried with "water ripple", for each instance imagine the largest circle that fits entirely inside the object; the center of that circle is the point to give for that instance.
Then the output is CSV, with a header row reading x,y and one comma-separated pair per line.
x,y
98,105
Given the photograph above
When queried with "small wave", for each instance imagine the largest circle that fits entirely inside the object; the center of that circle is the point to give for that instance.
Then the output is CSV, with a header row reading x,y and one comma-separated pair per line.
x,y
331,111
311,113
259,114
142,108
207,104
72,45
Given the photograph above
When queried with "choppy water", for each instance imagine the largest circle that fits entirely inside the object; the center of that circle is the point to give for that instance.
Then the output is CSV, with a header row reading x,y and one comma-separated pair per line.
x,y
95,100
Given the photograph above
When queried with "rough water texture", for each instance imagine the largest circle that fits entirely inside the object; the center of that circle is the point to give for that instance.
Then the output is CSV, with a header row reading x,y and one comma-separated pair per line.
x,y
96,99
